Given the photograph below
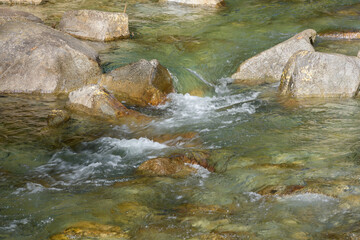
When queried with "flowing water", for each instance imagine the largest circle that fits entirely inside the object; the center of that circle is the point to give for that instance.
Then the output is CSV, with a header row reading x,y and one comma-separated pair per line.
x,y
284,169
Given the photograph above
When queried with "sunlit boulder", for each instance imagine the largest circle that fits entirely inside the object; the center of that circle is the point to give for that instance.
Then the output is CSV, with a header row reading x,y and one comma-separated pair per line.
x,y
8,14
96,101
267,66
95,25
141,83
37,58
316,74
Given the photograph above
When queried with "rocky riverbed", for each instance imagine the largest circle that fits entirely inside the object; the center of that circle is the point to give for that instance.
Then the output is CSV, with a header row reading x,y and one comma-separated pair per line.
x,y
179,120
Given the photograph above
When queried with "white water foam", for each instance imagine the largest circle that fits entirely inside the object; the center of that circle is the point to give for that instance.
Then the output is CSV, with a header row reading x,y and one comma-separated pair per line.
x,y
97,160
188,110
32,188
11,227
308,198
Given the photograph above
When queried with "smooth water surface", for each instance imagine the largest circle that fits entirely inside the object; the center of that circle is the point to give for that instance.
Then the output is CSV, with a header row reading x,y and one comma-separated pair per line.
x,y
284,169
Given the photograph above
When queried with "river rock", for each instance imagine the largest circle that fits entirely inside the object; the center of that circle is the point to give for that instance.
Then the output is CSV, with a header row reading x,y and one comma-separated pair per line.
x,y
57,118
210,3
350,35
8,15
91,230
95,25
267,66
315,74
37,58
164,167
175,165
96,101
34,2
140,83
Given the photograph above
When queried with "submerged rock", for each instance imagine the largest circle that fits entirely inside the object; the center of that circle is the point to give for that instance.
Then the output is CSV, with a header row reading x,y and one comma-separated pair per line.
x,y
210,3
140,83
165,167
34,2
216,235
350,35
96,101
91,230
315,74
95,25
57,117
188,139
37,58
175,165
129,213
8,15
267,66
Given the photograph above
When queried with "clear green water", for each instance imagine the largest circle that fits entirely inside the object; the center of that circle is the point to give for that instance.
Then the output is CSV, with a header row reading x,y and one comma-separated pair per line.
x,y
53,178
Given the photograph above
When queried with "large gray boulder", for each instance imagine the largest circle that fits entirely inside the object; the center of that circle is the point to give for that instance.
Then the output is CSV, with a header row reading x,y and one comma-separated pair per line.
x,y
209,3
37,58
315,74
34,2
96,101
141,83
267,66
95,25
8,15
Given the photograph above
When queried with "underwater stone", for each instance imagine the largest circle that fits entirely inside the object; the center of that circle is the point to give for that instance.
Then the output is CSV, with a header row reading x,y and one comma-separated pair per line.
x,y
95,25
91,230
267,66
57,117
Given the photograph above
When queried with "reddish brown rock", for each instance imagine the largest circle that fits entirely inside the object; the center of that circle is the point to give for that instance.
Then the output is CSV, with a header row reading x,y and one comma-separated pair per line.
x,y
91,230
164,167
175,165
141,83
96,101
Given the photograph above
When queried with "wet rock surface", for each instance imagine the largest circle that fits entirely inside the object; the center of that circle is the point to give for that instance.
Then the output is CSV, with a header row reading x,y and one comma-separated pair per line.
x,y
178,165
57,118
141,83
314,74
267,66
91,230
8,15
165,167
96,101
95,25
38,59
